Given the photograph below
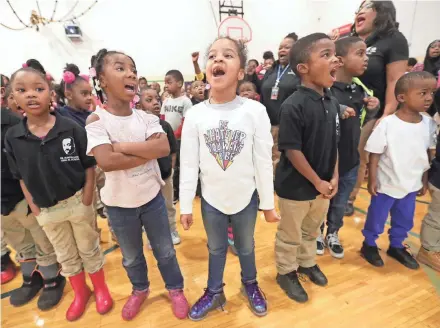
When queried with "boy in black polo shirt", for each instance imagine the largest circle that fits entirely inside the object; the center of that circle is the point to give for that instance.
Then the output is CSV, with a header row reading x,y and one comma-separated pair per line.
x,y
353,59
35,253
307,175
47,153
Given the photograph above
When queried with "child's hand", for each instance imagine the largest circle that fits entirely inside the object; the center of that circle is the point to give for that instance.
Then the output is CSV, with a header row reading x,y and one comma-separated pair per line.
x,y
422,192
186,220
371,102
271,216
349,112
334,185
324,188
372,187
195,56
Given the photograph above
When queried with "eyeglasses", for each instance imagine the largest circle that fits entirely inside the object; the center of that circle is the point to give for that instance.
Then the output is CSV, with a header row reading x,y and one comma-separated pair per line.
x,y
366,5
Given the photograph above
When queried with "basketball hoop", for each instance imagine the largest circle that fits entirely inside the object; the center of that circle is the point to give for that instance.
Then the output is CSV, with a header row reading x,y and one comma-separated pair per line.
x,y
236,28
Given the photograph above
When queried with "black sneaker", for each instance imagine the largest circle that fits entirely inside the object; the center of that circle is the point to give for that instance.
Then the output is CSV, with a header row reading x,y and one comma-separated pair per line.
x,y
403,256
320,245
371,254
334,245
349,209
315,275
28,290
291,285
101,213
52,292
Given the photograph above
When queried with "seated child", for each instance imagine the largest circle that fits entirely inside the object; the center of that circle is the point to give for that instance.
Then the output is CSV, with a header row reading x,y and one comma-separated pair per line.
x,y
398,168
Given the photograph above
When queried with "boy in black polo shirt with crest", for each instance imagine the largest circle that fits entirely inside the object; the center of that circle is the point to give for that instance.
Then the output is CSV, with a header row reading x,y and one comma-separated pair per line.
x,y
351,52
47,153
307,174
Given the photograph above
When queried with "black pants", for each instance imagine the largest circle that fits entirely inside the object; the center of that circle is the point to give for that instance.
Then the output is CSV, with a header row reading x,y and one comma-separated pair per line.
x,y
176,176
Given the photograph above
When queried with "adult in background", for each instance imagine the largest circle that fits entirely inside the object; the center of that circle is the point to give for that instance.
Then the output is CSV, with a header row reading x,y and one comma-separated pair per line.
x,y
388,53
278,83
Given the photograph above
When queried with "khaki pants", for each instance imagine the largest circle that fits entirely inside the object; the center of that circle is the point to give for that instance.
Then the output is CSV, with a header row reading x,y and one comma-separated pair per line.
x,y
168,194
100,182
69,225
430,232
4,246
295,243
23,233
274,130
364,155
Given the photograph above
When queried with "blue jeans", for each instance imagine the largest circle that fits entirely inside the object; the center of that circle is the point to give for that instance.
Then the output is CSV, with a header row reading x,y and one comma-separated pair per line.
x,y
243,226
127,224
335,214
402,218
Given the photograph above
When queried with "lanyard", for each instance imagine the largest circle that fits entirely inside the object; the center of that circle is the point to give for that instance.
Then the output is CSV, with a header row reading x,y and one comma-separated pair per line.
x,y
280,75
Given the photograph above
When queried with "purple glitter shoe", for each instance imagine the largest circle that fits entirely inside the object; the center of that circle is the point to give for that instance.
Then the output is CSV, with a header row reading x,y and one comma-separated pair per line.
x,y
256,298
208,302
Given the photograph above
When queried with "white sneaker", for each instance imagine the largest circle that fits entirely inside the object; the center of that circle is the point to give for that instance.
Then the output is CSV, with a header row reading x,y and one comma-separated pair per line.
x,y
175,237
320,245
334,245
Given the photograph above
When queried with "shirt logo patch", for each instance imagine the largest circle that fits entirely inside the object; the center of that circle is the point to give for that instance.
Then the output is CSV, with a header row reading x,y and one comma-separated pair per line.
x,y
224,144
68,146
69,150
371,50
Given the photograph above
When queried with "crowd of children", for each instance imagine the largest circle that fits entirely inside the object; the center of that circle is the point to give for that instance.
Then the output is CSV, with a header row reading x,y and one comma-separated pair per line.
x,y
109,143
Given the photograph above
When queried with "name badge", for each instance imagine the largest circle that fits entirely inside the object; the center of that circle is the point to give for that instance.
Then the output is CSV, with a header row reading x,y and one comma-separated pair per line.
x,y
274,93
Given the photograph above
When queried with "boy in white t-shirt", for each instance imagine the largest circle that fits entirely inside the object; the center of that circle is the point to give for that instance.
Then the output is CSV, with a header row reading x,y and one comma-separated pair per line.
x,y
398,167
173,111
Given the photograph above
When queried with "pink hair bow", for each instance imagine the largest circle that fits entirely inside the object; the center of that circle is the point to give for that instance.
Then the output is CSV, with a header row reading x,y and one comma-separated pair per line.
x,y
68,77
24,65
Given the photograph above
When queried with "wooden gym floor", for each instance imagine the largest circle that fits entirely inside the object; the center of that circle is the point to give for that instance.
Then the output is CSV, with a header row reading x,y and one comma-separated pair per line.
x,y
358,295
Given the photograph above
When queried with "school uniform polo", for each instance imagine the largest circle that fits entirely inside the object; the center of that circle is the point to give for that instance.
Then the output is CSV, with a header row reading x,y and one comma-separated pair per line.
x,y
166,163
11,190
309,123
351,95
53,168
381,51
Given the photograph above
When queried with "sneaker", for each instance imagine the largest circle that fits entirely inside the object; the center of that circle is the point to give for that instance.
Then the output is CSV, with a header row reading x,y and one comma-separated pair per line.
x,y
175,237
179,303
429,258
371,254
320,245
315,275
256,298
349,209
133,304
101,213
334,245
208,302
404,256
175,200
293,288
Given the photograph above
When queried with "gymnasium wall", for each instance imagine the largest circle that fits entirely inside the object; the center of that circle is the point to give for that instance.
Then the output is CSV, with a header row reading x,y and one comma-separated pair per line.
x,y
161,34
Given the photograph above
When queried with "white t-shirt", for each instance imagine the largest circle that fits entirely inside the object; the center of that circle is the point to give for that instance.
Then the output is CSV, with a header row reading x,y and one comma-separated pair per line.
x,y
232,145
137,186
404,153
175,110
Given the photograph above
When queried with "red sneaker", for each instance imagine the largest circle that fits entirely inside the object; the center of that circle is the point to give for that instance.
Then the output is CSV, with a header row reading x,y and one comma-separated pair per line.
x,y
179,303
8,269
134,303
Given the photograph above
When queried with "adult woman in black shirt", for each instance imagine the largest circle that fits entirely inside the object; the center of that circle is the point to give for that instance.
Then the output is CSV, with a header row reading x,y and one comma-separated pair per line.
x,y
388,53
278,84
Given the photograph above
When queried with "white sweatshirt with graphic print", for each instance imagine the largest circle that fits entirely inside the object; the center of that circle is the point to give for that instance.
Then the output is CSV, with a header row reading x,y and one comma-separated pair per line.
x,y
231,144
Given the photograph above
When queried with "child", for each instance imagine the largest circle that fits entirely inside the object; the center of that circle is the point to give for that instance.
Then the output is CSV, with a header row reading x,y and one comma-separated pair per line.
x,y
143,83
411,63
35,253
351,52
126,144
45,145
398,167
429,253
307,175
228,138
156,86
197,92
173,111
248,90
150,102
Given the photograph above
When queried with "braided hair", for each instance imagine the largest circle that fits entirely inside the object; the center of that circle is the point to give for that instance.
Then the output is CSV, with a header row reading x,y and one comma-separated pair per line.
x,y
97,62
